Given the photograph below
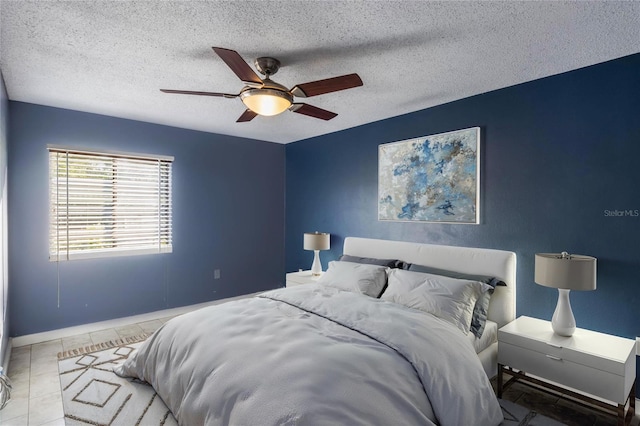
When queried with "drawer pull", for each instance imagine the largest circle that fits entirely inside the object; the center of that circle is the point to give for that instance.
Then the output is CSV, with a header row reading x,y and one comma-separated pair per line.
x,y
555,358
554,346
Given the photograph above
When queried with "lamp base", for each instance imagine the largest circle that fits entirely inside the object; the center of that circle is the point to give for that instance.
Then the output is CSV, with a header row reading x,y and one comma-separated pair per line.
x,y
316,267
563,321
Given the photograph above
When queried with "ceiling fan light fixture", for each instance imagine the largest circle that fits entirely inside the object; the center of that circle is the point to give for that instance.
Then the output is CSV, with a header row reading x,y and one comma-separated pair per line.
x,y
266,102
268,98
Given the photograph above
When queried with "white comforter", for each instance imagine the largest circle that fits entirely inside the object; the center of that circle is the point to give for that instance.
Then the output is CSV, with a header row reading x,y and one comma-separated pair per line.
x,y
313,355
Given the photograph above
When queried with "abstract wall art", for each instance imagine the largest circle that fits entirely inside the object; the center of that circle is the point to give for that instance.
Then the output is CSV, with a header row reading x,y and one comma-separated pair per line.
x,y
431,179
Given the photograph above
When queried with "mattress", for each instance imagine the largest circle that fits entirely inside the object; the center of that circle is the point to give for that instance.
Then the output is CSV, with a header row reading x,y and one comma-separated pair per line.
x,y
489,336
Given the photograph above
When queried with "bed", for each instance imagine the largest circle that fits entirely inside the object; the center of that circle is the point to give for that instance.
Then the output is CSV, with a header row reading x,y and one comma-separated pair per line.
x,y
359,347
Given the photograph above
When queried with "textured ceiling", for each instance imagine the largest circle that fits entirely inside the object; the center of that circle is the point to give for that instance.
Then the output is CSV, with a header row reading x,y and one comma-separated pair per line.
x,y
111,58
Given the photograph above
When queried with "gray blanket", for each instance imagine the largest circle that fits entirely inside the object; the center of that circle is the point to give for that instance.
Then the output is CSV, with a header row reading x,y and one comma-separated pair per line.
x,y
312,355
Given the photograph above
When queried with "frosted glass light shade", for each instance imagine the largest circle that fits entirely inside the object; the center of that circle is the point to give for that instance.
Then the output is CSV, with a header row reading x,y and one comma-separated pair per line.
x,y
266,102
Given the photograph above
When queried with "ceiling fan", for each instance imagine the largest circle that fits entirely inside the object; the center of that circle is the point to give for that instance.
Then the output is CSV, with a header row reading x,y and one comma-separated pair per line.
x,y
266,97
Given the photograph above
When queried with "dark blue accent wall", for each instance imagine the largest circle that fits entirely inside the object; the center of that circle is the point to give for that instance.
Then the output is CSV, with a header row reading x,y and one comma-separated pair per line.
x,y
557,154
228,214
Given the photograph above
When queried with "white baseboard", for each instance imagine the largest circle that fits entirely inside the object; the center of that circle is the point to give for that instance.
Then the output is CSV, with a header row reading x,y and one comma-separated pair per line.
x,y
61,333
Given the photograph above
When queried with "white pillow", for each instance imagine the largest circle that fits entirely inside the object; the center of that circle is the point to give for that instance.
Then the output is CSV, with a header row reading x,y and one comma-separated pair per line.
x,y
355,277
450,299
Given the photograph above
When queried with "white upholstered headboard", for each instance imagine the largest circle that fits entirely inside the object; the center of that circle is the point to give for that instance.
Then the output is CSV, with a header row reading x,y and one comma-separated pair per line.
x,y
497,263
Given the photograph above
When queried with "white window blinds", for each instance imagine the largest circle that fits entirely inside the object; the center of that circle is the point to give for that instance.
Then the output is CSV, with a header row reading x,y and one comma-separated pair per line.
x,y
104,204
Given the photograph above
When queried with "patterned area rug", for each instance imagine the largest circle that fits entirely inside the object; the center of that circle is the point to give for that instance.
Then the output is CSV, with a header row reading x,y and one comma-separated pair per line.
x,y
92,394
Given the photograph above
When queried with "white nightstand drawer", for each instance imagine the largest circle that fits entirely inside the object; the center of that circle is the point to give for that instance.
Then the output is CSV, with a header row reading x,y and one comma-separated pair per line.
x,y
558,350
597,350
554,368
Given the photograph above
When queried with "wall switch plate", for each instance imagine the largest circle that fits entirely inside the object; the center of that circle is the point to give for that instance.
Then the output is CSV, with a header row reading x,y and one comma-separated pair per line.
x,y
638,346
216,274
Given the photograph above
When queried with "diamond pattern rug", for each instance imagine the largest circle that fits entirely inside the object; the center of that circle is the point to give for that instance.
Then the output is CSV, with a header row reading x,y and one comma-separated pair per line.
x,y
92,394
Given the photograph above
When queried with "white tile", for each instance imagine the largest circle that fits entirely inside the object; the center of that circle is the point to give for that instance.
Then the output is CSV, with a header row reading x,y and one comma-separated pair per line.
x,y
56,422
150,326
16,407
20,356
44,384
20,351
16,421
77,342
104,336
44,366
46,350
129,331
45,409
19,372
20,388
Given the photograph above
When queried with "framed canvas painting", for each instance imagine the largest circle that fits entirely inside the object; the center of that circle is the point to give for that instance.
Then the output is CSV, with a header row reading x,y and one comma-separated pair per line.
x,y
431,179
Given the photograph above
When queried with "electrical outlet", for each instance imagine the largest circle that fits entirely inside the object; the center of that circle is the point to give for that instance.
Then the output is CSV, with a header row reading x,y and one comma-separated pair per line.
x,y
216,274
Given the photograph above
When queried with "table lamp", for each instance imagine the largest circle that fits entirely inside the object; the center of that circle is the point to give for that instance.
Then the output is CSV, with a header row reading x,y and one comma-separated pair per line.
x,y
316,241
565,272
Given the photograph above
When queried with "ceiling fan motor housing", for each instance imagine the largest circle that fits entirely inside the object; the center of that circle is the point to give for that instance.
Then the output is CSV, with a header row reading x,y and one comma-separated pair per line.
x,y
267,65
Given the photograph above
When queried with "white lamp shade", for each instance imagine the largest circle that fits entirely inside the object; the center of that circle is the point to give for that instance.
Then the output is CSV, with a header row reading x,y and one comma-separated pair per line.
x,y
316,241
571,272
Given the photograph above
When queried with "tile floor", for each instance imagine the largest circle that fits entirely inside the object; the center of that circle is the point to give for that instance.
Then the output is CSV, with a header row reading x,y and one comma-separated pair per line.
x,y
36,399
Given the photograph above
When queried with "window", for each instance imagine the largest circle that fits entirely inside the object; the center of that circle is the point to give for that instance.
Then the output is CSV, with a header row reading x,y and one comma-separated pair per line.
x,y
104,204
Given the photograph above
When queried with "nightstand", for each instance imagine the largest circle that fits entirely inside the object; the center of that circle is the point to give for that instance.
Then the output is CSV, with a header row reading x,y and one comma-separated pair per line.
x,y
587,366
301,277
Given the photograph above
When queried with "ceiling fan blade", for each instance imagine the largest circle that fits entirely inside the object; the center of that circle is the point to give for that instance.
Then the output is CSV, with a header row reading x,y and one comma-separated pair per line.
x,y
191,92
248,115
327,85
237,65
312,111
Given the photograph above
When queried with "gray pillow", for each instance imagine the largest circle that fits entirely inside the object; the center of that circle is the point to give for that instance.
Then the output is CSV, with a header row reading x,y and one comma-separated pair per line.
x,y
492,281
450,299
390,263
479,318
355,277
